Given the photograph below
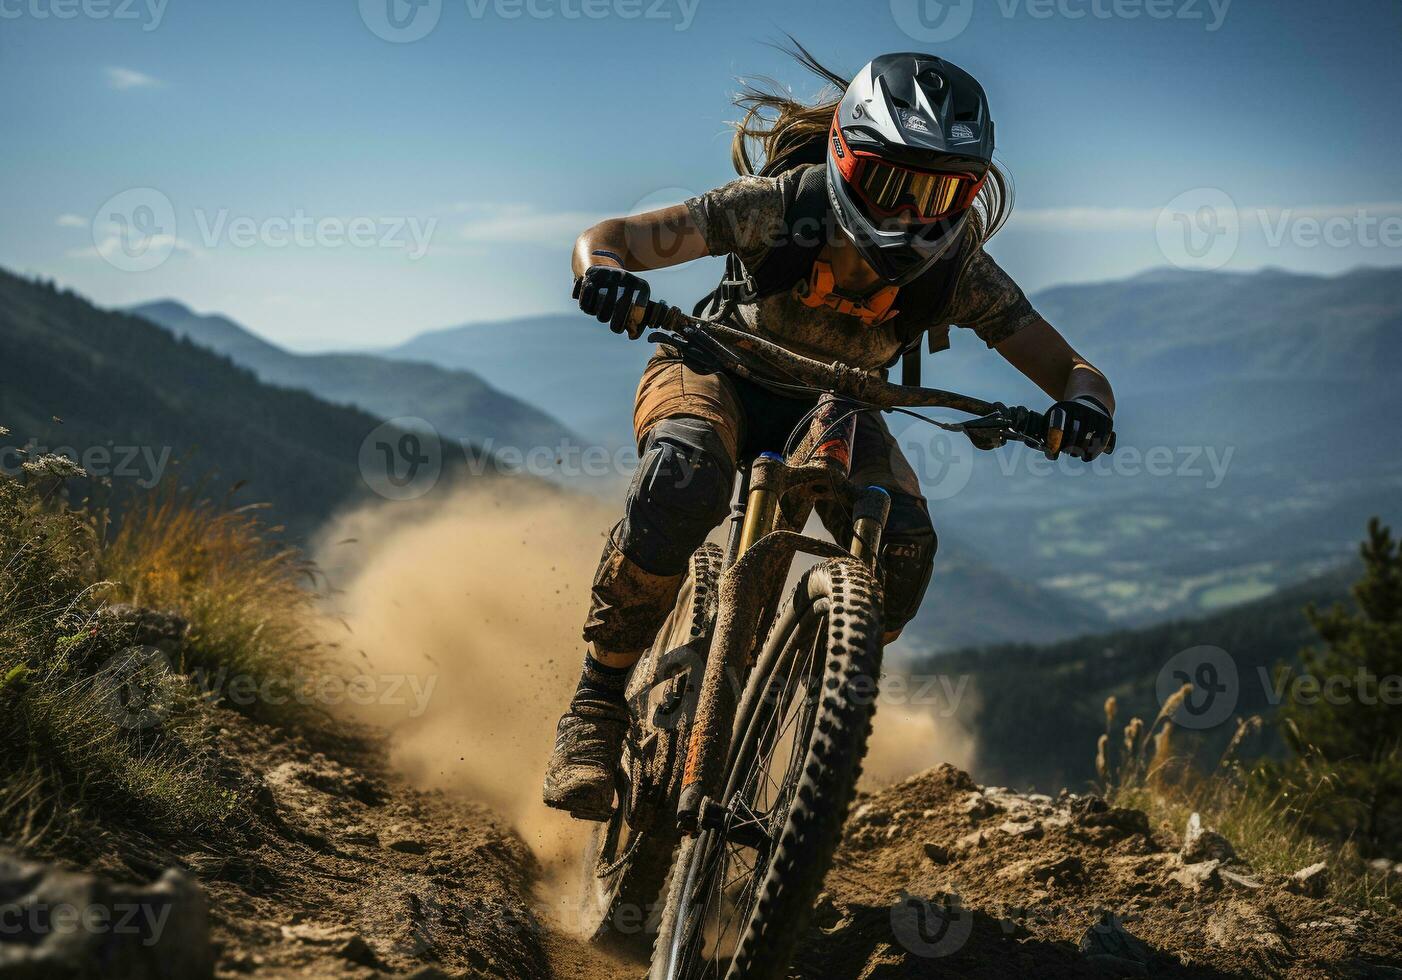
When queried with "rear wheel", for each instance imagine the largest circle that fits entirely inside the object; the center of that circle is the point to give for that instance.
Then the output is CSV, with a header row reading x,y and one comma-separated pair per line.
x,y
741,891
625,867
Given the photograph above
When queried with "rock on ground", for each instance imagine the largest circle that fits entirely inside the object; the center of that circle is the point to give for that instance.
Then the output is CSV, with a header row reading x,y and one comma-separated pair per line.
x,y
57,924
1093,891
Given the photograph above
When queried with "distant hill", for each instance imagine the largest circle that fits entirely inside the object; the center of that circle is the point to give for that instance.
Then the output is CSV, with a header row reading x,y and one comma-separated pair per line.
x,y
972,601
569,365
118,380
1163,325
1035,711
458,403
1158,330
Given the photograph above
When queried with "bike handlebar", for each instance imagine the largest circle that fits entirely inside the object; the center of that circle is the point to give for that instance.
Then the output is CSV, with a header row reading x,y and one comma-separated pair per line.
x,y
727,345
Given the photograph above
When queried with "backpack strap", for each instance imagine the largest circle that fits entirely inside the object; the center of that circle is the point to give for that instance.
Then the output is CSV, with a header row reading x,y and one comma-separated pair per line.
x,y
787,261
925,301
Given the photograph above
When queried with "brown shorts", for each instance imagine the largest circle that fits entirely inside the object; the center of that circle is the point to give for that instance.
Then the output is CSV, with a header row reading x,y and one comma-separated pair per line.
x,y
671,389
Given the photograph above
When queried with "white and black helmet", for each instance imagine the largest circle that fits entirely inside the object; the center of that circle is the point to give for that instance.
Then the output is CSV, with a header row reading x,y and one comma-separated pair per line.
x,y
910,147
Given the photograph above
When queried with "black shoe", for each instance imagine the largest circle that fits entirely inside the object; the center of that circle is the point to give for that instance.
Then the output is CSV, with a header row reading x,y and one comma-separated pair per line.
x,y
579,777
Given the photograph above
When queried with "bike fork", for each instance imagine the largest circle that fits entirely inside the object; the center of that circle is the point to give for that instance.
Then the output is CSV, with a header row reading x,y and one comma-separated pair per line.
x,y
868,523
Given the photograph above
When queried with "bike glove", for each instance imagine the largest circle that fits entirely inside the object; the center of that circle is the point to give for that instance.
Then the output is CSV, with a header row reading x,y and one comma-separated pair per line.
x,y
1086,427
609,294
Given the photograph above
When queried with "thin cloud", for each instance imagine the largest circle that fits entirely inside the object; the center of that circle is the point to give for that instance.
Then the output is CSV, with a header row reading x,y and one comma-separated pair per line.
x,y
1098,219
123,79
111,247
522,224
72,221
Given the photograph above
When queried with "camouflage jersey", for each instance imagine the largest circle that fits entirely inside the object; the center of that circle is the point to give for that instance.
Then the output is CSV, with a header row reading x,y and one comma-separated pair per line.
x,y
746,215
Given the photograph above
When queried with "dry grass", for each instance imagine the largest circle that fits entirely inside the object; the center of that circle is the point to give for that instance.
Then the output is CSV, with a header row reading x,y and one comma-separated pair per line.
x,y
74,760
1263,817
247,597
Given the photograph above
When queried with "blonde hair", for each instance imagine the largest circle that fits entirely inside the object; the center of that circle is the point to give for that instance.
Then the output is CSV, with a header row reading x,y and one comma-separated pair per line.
x,y
778,132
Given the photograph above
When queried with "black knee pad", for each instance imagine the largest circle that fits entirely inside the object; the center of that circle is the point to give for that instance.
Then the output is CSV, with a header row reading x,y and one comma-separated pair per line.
x,y
908,549
680,492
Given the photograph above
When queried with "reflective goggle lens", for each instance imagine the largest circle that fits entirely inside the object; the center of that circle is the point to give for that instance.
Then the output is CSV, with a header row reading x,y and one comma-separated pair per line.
x,y
890,189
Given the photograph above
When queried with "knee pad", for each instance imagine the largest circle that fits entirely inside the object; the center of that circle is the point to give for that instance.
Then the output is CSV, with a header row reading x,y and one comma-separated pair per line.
x,y
908,549
680,492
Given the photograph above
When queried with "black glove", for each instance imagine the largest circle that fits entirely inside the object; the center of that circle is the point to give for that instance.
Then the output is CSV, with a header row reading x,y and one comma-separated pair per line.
x,y
610,294
1086,427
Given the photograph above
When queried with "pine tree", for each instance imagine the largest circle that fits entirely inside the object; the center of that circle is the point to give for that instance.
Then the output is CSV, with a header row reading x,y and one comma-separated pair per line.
x,y
1344,714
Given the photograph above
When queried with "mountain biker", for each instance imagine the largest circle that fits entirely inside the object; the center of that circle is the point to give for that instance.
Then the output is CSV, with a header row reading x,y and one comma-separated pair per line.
x,y
861,235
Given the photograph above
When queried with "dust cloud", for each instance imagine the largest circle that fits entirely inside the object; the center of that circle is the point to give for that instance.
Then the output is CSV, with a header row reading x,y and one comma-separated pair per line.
x,y
909,738
478,597
481,593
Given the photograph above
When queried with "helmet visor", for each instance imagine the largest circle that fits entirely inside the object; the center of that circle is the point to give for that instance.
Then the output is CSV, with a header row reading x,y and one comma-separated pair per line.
x,y
889,190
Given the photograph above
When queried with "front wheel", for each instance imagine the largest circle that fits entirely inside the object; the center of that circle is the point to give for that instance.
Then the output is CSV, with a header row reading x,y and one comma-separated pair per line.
x,y
741,891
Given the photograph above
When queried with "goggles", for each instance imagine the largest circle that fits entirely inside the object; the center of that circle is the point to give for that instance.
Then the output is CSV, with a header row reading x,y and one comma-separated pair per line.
x,y
888,189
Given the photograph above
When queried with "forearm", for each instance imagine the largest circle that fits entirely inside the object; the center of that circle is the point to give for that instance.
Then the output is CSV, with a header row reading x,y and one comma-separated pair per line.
x,y
1043,355
598,245
654,240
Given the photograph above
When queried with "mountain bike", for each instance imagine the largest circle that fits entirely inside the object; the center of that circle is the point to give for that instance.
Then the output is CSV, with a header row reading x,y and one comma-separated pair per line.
x,y
751,711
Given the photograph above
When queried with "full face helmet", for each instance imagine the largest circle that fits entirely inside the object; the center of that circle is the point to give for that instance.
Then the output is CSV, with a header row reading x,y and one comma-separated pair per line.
x,y
910,147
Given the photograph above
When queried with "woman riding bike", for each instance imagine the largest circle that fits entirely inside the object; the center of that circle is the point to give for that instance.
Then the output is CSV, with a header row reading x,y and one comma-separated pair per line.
x,y
860,237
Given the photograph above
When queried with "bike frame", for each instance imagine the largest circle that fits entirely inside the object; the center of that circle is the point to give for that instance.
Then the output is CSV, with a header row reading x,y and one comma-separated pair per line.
x,y
776,498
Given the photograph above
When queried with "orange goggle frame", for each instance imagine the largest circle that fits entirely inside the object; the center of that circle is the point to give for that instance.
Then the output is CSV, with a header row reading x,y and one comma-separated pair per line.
x,y
889,189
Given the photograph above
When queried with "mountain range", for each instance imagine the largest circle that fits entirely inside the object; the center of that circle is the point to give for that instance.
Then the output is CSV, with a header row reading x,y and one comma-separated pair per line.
x,y
458,403
130,400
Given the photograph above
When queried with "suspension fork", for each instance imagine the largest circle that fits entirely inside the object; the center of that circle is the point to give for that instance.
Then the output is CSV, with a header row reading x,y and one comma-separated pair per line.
x,y
869,523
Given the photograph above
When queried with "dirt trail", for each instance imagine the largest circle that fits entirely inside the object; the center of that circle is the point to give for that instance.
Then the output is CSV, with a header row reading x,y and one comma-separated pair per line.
x,y
937,876
349,872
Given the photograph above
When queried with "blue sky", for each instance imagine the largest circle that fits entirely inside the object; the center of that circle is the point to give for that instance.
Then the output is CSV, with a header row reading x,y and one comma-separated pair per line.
x,y
441,180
